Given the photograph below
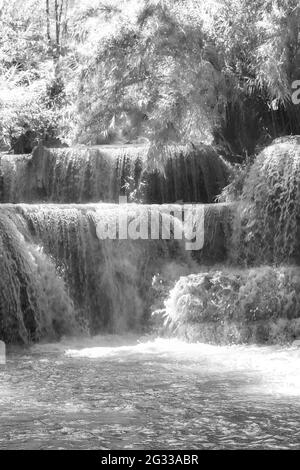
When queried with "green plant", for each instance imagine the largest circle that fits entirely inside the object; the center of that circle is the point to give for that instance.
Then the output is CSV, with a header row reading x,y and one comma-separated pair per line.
x,y
259,305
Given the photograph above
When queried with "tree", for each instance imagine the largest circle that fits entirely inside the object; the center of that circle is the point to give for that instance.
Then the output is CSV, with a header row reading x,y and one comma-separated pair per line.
x,y
169,71
32,81
151,75
56,14
260,47
188,71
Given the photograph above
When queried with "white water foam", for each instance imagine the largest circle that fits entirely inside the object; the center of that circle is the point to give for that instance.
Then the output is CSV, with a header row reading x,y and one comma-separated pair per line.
x,y
278,367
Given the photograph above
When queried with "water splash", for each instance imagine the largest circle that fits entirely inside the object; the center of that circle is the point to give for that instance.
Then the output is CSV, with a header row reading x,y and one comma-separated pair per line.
x,y
278,367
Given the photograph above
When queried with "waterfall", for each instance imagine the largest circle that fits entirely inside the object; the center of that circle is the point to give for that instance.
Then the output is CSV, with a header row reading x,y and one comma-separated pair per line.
x,y
34,302
82,175
261,302
105,283
67,175
58,276
106,279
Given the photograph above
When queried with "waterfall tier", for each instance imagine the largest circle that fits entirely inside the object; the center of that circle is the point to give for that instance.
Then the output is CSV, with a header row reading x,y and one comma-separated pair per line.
x,y
94,174
57,273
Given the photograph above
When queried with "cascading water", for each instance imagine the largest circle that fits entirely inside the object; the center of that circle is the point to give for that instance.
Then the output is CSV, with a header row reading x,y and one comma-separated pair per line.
x,y
235,304
59,278
82,175
34,302
107,280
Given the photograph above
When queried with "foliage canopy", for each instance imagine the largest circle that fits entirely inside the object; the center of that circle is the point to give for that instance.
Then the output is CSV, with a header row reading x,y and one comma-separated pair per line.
x,y
97,71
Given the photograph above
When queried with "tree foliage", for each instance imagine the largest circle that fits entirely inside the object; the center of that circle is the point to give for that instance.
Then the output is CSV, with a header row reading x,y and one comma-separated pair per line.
x,y
189,71
167,71
150,76
31,83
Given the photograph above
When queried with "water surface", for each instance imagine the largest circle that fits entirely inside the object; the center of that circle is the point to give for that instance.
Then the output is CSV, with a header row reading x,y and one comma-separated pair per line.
x,y
125,393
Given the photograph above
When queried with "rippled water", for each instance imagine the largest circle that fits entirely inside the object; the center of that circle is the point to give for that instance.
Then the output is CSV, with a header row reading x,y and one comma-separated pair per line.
x,y
119,393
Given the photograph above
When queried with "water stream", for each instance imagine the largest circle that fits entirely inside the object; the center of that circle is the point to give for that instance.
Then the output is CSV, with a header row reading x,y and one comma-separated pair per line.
x,y
121,392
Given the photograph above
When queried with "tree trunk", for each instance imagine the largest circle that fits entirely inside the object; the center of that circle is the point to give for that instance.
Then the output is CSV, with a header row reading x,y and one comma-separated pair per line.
x,y
56,24
48,22
58,6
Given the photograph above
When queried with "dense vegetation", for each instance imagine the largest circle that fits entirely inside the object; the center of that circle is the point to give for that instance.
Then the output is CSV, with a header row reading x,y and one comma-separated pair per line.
x,y
162,70
243,306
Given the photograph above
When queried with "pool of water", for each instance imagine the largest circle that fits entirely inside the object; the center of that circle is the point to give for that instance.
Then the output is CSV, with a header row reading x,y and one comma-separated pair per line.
x,y
114,392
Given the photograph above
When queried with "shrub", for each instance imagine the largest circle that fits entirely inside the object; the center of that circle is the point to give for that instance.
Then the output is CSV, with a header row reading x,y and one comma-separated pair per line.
x,y
259,305
28,115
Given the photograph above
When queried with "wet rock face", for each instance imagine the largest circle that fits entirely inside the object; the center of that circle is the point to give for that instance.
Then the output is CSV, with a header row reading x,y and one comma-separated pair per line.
x,y
258,305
